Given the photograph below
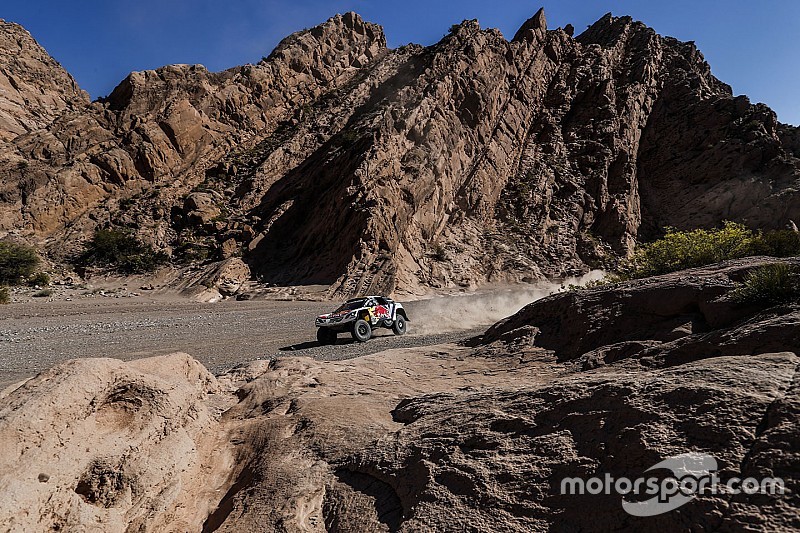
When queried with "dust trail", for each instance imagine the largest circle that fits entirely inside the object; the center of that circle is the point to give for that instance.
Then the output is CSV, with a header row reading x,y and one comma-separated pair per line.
x,y
483,308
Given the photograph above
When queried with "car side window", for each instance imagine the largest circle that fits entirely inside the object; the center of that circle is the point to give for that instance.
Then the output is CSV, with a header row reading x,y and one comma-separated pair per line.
x,y
370,303
382,301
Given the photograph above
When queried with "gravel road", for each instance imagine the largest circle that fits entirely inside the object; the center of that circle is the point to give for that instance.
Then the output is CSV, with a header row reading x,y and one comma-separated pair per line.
x,y
37,335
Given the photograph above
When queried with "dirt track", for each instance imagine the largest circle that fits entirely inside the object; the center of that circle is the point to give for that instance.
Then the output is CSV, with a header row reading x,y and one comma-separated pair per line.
x,y
35,336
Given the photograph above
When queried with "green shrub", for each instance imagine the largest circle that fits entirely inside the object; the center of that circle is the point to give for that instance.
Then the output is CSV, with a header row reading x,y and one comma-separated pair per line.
x,y
121,251
17,262
126,203
774,284
779,243
44,293
5,295
439,252
40,278
192,252
679,250
348,138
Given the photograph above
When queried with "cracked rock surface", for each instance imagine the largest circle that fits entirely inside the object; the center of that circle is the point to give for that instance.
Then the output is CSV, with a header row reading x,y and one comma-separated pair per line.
x,y
340,162
441,437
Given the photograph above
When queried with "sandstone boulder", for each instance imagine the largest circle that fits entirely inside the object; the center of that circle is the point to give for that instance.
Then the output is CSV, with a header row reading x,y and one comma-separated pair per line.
x,y
228,276
229,248
125,445
667,319
495,459
201,208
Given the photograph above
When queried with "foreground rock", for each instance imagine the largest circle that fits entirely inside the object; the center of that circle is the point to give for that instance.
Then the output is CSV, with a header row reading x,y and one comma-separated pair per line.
x,y
101,445
488,452
478,159
439,438
417,441
660,321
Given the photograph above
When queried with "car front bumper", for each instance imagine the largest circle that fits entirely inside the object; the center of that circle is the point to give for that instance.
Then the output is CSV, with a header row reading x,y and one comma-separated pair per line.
x,y
336,321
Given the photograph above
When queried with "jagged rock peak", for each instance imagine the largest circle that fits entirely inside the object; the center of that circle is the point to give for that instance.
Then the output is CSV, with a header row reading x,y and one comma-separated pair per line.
x,y
34,88
322,53
348,28
573,148
536,25
609,30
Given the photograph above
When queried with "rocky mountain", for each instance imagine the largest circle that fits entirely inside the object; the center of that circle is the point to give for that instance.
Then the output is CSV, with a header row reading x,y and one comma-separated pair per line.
x,y
428,439
338,161
34,88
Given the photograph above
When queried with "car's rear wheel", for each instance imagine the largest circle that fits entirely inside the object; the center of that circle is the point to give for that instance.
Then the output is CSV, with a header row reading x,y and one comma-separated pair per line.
x,y
326,336
362,331
400,325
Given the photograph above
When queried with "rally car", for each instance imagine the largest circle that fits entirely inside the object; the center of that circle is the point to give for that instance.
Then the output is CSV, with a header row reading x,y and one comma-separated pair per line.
x,y
360,316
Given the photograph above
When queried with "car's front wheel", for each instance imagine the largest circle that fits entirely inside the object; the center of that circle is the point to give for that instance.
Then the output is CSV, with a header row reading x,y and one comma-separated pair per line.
x,y
326,336
362,331
399,326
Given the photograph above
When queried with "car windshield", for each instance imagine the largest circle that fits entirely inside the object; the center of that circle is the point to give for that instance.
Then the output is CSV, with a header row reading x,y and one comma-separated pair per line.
x,y
349,306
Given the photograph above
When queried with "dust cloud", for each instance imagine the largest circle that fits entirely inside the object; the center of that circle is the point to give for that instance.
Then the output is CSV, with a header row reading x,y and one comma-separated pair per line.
x,y
483,308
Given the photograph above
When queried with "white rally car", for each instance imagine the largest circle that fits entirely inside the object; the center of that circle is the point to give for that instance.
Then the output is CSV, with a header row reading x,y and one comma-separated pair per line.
x,y
360,316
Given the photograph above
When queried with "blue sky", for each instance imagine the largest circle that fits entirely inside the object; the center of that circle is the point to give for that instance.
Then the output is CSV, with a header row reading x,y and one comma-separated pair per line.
x,y
752,47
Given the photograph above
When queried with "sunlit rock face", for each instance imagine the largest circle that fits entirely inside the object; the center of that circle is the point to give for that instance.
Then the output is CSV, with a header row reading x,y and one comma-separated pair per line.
x,y
337,161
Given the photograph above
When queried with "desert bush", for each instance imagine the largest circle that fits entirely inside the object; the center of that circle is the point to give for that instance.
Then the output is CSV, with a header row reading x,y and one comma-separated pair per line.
x,y
679,250
5,295
348,137
40,278
775,283
121,251
192,252
439,252
778,243
17,262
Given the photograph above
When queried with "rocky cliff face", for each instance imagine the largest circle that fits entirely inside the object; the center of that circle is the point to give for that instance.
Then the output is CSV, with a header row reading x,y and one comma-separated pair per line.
x,y
34,88
479,159
162,129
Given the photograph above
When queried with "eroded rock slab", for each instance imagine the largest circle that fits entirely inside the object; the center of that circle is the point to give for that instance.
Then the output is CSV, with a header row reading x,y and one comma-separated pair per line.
x,y
102,445
663,320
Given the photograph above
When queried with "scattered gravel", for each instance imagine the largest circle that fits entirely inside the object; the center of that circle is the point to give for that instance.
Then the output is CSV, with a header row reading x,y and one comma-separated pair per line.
x,y
37,335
